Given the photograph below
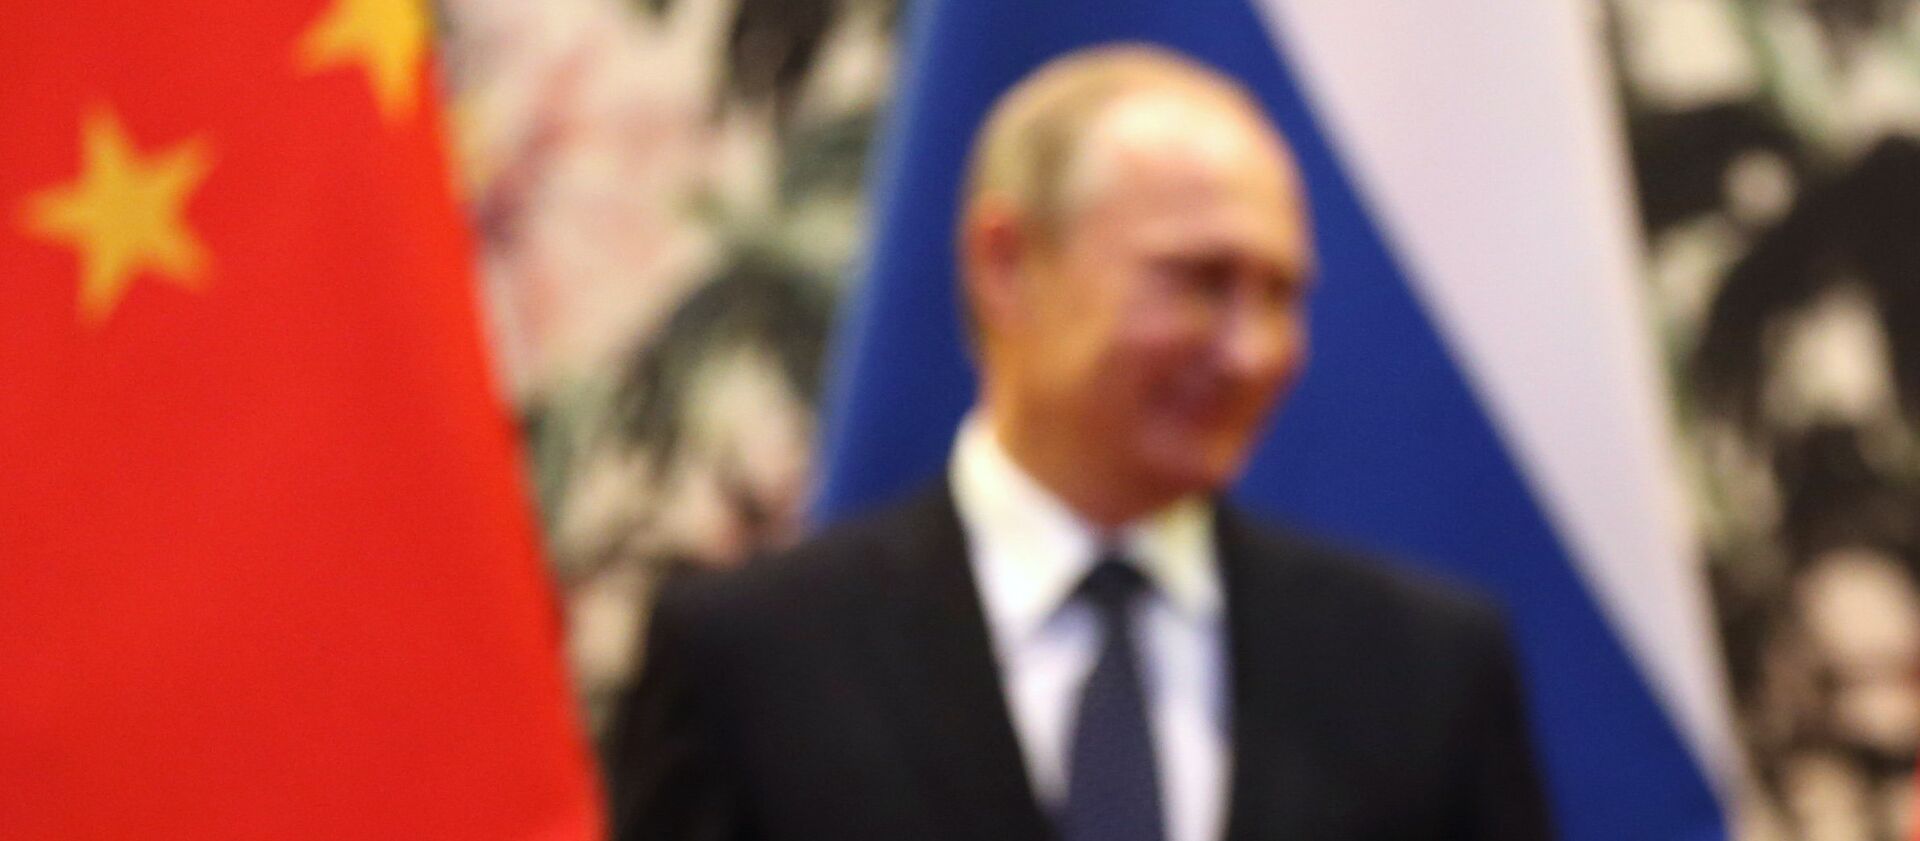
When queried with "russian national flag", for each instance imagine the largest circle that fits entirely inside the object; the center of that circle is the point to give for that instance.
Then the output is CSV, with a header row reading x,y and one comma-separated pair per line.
x,y
1482,395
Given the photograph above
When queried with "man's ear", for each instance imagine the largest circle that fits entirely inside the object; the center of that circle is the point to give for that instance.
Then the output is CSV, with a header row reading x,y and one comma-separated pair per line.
x,y
994,245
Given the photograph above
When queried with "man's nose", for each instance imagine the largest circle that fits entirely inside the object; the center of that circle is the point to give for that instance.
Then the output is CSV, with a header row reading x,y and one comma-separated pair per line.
x,y
1256,342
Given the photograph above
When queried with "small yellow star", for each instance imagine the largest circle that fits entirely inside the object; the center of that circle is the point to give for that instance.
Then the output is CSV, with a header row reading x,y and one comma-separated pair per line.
x,y
386,38
124,214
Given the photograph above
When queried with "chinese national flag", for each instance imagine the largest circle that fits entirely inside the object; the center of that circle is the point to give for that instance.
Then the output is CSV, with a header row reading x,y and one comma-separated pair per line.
x,y
267,569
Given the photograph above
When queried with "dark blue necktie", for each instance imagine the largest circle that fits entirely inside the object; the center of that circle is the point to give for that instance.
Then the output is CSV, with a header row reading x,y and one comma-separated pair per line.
x,y
1113,791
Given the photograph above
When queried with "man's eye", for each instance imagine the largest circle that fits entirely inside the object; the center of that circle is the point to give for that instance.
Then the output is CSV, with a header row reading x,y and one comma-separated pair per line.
x,y
1201,276
1282,291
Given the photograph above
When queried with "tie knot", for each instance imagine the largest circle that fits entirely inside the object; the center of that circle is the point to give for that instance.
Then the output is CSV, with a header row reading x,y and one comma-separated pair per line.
x,y
1112,584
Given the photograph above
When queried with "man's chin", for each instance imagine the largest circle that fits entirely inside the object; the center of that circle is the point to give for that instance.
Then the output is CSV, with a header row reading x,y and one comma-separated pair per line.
x,y
1196,476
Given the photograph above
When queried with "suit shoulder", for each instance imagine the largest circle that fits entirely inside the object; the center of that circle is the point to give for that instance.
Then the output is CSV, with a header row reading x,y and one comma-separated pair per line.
x,y
1380,589
831,571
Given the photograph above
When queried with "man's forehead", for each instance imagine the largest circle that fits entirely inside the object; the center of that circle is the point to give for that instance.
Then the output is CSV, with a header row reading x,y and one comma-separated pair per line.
x,y
1198,118
1200,177
1179,133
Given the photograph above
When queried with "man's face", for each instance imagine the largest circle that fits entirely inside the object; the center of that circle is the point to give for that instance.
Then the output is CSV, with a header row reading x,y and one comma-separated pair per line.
x,y
1166,314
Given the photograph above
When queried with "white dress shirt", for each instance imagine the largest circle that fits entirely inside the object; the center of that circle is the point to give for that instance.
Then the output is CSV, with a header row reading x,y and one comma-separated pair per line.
x,y
1029,552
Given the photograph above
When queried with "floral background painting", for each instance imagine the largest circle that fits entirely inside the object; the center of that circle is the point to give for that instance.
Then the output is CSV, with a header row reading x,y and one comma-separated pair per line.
x,y
1776,148
669,199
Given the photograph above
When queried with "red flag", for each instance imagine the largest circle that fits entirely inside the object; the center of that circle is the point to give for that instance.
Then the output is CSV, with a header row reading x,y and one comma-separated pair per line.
x,y
267,569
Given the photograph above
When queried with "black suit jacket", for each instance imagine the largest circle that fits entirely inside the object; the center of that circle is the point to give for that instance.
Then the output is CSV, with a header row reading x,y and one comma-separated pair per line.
x,y
846,691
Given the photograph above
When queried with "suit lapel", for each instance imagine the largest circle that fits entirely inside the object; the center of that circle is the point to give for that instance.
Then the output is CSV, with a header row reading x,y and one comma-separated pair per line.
x,y
930,643
935,668
1277,782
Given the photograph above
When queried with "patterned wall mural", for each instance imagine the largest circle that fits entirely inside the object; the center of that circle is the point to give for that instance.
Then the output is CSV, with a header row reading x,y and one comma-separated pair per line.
x,y
1776,146
669,196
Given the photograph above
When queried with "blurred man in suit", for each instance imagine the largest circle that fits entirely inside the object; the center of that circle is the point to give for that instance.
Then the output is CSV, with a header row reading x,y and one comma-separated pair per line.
x,y
1071,637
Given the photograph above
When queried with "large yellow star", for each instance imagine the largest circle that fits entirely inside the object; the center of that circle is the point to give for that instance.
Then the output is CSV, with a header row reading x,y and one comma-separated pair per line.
x,y
386,38
124,214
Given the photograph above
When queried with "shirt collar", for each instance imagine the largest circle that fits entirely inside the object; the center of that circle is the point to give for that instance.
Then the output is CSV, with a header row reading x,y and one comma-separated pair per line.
x,y
1030,550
